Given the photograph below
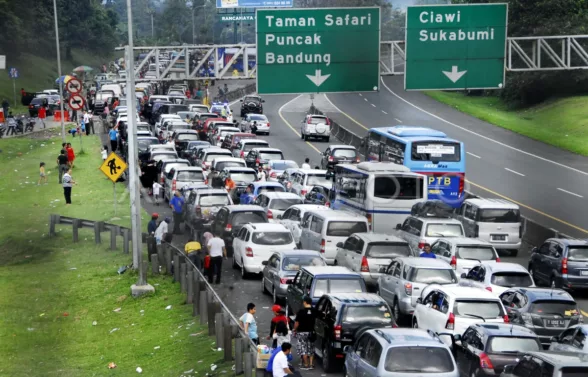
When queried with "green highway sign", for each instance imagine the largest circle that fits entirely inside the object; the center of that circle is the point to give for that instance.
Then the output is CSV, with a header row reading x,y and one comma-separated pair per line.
x,y
455,46
321,50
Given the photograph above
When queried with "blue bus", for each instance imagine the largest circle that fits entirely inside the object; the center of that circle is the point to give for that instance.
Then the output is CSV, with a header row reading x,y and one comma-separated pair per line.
x,y
426,151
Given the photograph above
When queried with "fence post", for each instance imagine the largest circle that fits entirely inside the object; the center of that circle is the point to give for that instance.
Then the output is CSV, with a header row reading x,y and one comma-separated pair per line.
x,y
212,310
176,268
112,238
190,287
98,226
203,309
126,239
183,281
154,264
197,290
239,348
228,342
168,259
151,246
52,223
75,225
218,330
248,364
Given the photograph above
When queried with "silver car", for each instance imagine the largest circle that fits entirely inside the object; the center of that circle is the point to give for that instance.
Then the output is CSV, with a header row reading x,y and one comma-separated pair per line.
x,y
292,218
403,281
421,230
283,266
399,353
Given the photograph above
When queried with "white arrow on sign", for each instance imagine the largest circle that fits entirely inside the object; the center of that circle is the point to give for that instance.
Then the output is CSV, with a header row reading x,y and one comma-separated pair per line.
x,y
454,75
318,79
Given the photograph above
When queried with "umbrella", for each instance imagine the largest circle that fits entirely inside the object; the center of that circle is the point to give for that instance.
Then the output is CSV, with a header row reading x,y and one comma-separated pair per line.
x,y
83,68
63,79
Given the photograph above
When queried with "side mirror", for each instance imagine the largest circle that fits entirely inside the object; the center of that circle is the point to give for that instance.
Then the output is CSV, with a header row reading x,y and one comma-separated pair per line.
x,y
419,300
347,349
463,276
398,226
535,249
279,217
457,337
340,244
264,263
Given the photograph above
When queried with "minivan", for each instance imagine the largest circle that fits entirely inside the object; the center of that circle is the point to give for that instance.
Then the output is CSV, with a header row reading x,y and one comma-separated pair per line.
x,y
323,230
560,263
497,221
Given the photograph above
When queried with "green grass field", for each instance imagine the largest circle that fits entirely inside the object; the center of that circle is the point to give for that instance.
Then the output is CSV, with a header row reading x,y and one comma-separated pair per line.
x,y
561,123
58,298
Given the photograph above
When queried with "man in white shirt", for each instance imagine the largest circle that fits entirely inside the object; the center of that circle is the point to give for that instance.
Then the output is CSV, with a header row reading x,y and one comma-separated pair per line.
x,y
217,250
280,367
261,177
156,192
306,164
161,230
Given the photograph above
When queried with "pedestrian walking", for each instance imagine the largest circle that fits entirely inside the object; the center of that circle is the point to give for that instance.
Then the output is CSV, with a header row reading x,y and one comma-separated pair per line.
x,y
152,225
71,156
104,152
106,111
74,116
193,250
42,175
113,135
177,206
306,164
42,114
248,323
62,164
217,250
89,123
162,230
67,183
304,333
156,190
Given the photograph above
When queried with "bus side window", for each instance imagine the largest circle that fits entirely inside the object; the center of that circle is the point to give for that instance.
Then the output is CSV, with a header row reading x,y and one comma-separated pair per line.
x,y
394,151
374,146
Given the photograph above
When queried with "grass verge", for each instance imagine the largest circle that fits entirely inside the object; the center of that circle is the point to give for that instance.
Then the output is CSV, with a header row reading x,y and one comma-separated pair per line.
x,y
561,123
58,299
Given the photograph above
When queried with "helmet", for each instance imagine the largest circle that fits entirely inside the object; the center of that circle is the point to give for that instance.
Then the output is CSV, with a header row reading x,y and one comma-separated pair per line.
x,y
155,214
167,220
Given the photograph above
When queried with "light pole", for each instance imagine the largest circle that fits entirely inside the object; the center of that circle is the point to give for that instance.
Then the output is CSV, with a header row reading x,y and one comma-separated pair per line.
x,y
59,70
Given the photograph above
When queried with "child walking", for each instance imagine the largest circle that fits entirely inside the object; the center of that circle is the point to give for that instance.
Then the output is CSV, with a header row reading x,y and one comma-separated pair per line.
x,y
104,152
156,191
42,175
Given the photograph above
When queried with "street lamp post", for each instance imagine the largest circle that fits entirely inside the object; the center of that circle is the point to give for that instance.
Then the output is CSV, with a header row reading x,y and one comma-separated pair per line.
x,y
59,70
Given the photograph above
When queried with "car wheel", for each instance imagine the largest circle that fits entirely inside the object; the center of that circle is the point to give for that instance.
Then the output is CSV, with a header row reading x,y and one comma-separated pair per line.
x,y
396,311
415,323
327,365
243,272
263,288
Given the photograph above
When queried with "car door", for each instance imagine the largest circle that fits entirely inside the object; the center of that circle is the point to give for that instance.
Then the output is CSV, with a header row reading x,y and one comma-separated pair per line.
x,y
316,227
352,358
323,307
217,224
539,261
468,219
305,235
461,351
565,341
395,280
237,243
386,284
342,257
423,311
294,291
273,269
368,364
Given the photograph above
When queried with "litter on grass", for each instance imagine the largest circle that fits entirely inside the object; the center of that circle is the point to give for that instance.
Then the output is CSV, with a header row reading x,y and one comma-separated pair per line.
x,y
139,370
117,310
168,307
156,347
113,330
111,365
94,323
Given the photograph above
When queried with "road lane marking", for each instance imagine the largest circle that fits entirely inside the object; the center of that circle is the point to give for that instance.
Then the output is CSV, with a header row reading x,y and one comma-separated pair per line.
x,y
361,95
384,112
474,155
373,105
289,125
365,99
516,172
584,313
569,192
482,187
480,135
398,120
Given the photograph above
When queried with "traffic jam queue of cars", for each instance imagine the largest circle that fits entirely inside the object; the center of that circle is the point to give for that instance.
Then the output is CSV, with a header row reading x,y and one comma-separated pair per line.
x,y
404,282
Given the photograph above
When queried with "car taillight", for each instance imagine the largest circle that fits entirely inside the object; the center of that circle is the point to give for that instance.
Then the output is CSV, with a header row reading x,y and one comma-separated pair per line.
x,y
31,107
270,215
273,174
283,280
505,318
453,262
327,204
408,288
422,243
564,266
323,244
450,325
337,332
356,159
461,182
173,185
485,362
268,124
198,210
249,252
364,265
303,192
331,159
489,289
476,231
228,228
242,155
497,259
257,161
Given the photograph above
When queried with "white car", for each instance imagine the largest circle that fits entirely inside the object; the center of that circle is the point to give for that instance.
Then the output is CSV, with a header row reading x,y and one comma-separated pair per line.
x,y
317,126
275,203
261,121
220,163
276,168
452,309
163,118
497,277
182,176
463,253
199,108
303,180
292,217
256,242
221,132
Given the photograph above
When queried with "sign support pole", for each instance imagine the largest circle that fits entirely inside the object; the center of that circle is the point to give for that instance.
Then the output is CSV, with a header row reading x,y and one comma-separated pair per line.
x,y
59,70
141,287
114,195
14,89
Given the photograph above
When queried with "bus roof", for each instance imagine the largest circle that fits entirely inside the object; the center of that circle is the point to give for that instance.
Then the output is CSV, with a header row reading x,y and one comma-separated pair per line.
x,y
377,167
412,132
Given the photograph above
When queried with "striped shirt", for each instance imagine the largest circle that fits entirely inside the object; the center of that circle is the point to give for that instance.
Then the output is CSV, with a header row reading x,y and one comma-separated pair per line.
x,y
66,180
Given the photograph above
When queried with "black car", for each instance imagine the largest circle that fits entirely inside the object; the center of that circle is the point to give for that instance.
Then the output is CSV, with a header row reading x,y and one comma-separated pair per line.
x,y
251,104
318,195
560,263
485,349
341,318
338,154
548,364
36,103
545,311
192,148
230,219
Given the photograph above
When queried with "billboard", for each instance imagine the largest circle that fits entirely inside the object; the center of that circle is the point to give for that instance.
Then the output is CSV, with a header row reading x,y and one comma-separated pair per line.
x,y
254,3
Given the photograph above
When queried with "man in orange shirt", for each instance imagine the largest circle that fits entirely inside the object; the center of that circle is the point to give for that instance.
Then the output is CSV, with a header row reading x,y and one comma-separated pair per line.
x,y
229,183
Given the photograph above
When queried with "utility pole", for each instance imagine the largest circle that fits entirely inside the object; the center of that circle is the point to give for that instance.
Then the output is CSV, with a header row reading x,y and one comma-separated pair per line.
x,y
59,70
152,29
193,25
141,287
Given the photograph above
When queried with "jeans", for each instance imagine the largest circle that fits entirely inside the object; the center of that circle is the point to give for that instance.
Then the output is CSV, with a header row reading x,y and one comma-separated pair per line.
x,y
67,194
113,145
177,222
196,258
216,265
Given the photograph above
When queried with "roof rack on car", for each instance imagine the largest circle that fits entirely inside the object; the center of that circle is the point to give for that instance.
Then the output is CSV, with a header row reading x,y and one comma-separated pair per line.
x,y
432,208
383,335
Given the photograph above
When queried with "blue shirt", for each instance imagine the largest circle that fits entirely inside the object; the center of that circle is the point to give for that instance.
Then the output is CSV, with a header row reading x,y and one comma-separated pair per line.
x,y
252,329
177,202
113,134
246,198
270,362
152,226
427,255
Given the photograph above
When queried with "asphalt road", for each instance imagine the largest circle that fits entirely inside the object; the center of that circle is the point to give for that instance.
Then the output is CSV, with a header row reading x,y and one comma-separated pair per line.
x,y
551,185
285,113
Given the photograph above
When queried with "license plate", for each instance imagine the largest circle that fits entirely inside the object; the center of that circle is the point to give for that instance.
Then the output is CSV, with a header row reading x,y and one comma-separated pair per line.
x,y
584,273
499,237
554,323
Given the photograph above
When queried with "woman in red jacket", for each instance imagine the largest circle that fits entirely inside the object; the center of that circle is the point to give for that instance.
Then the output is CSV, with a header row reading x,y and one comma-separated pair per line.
x,y
42,114
70,155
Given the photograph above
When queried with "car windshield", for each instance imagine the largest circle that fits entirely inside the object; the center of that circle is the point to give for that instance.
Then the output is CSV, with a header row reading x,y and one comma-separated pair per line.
x,y
433,276
479,253
418,360
174,165
499,216
578,253
209,200
337,286
511,344
282,165
436,151
243,177
554,307
272,238
294,263
318,180
250,146
271,189
402,188
478,308
349,153
229,164
444,230
252,99
367,314
511,279
190,176
258,118
187,137
284,204
212,156
346,228
271,156
178,126
574,371
387,250
144,144
318,120
241,218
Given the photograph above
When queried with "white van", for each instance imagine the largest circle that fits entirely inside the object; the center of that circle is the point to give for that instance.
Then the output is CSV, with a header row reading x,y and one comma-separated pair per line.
x,y
496,221
323,230
116,88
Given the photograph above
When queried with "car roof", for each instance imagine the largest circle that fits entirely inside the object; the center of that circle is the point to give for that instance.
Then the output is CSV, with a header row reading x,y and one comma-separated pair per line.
x,y
311,207
217,150
503,266
244,208
267,150
560,358
464,241
458,291
267,227
492,203
357,298
534,293
219,159
206,191
425,262
147,138
281,195
297,252
379,237
188,168
338,215
341,146
406,337
239,169
329,270
266,184
193,132
175,161
501,329
437,219
312,171
281,161
570,242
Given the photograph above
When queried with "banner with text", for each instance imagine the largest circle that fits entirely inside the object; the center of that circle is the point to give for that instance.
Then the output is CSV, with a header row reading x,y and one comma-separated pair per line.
x,y
254,3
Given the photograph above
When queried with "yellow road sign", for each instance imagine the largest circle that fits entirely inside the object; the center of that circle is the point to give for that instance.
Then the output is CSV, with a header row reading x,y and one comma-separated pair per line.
x,y
113,167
